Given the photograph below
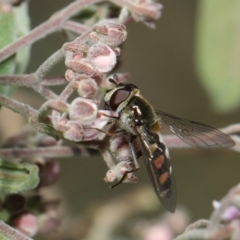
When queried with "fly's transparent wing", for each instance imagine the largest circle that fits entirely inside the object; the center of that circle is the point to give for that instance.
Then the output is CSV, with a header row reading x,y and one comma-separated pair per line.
x,y
194,133
159,167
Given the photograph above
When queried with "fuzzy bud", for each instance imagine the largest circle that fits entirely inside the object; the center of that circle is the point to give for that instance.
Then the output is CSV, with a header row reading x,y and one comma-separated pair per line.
x,y
111,33
231,213
82,65
119,147
83,110
93,132
26,223
49,172
87,88
147,10
70,75
118,172
74,131
76,47
103,57
49,221
110,176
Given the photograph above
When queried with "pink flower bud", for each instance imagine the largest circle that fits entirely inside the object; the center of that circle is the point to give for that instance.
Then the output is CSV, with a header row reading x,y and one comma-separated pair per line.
x,y
76,47
26,223
119,171
94,130
109,32
70,75
146,10
103,57
49,221
83,110
74,131
231,213
119,146
87,88
110,176
156,232
82,66
49,172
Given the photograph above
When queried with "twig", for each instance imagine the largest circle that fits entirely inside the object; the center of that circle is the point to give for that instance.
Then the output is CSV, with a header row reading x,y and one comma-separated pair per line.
x,y
6,232
75,27
196,234
23,109
41,31
48,152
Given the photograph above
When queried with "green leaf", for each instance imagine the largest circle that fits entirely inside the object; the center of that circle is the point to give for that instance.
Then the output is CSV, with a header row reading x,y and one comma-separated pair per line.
x,y
22,25
218,51
13,25
8,35
17,177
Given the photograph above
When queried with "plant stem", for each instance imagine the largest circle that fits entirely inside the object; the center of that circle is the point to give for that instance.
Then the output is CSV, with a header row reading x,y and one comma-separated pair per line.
x,y
23,109
48,152
55,22
7,232
75,27
47,65
17,80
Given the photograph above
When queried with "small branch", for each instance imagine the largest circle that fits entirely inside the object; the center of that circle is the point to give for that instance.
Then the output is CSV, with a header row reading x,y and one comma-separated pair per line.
x,y
7,232
232,129
51,25
55,58
193,235
17,80
48,152
27,80
23,109
45,92
54,81
75,27
65,94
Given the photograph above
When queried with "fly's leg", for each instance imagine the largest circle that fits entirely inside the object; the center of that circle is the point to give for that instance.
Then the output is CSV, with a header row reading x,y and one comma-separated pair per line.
x,y
135,162
109,133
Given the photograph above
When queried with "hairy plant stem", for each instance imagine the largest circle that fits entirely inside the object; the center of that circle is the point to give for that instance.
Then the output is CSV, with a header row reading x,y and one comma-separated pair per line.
x,y
54,23
30,114
47,65
48,152
23,109
8,232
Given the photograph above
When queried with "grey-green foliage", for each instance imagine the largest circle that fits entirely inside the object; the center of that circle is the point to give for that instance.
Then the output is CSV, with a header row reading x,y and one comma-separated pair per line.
x,y
17,177
13,25
218,51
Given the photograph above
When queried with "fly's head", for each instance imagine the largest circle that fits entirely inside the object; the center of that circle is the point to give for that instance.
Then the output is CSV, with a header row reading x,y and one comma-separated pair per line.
x,y
117,99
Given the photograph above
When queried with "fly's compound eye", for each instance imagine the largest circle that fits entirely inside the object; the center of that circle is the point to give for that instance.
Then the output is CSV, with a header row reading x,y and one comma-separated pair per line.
x,y
118,97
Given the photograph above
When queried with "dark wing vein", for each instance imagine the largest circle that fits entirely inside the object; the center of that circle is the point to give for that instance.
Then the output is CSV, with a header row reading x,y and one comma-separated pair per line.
x,y
194,133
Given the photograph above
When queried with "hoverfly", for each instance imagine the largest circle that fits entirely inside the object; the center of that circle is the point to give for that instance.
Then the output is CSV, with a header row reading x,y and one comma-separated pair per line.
x,y
137,117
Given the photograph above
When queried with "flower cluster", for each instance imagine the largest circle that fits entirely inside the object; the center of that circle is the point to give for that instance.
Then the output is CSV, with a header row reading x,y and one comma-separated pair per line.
x,y
88,59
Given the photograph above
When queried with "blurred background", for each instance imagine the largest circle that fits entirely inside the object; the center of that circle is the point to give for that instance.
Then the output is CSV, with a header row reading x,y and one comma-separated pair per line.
x,y
162,62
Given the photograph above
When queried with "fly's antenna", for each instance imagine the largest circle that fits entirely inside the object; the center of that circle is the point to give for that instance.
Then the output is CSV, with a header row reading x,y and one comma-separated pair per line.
x,y
114,79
